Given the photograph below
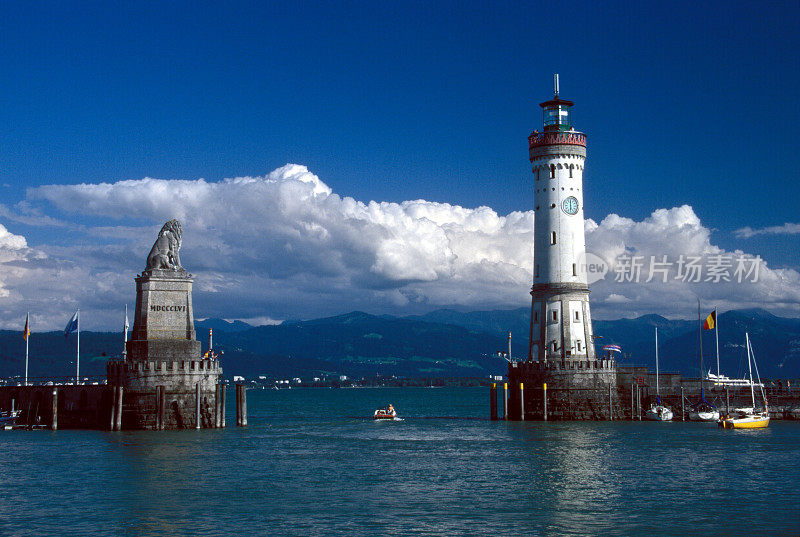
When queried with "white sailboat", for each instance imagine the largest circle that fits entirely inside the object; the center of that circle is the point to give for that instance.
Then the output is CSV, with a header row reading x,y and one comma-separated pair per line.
x,y
657,411
749,418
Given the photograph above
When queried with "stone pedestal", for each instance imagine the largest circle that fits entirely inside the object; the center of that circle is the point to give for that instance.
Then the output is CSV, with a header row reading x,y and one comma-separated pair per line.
x,y
163,351
576,390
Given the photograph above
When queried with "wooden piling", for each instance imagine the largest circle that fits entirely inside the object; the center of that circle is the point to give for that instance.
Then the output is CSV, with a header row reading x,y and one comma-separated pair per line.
x,y
505,400
493,401
244,405
521,402
217,406
238,408
118,410
113,418
683,406
633,410
223,389
727,401
54,420
161,403
197,423
544,401
639,403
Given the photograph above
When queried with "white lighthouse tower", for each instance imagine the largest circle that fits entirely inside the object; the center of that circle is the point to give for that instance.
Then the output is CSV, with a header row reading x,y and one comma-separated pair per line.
x,y
561,328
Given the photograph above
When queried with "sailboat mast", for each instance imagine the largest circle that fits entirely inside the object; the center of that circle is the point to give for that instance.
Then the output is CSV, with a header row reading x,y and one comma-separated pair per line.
x,y
657,385
750,370
758,379
78,355
716,335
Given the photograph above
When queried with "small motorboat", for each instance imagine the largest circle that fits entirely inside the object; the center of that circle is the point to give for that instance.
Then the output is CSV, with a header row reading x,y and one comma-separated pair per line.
x,y
387,413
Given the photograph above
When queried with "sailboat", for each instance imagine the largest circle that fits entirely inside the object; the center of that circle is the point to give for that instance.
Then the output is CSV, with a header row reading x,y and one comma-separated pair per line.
x,y
657,411
702,410
749,418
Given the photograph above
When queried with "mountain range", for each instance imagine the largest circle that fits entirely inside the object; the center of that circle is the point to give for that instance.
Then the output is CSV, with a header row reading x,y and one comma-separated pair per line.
x,y
443,343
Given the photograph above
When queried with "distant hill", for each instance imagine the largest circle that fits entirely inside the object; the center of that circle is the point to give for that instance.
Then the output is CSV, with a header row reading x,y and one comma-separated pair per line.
x,y
438,344
220,325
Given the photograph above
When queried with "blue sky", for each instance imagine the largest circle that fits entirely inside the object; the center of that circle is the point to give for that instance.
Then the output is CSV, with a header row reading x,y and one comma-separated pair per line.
x,y
683,103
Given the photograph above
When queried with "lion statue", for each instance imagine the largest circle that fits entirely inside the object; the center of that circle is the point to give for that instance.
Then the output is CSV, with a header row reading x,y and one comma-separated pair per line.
x,y
164,254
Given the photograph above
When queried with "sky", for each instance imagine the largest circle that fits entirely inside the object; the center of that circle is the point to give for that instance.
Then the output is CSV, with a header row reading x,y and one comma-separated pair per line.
x,y
327,157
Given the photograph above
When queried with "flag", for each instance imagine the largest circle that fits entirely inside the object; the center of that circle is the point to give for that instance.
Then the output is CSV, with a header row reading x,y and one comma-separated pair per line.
x,y
72,325
711,321
27,331
613,348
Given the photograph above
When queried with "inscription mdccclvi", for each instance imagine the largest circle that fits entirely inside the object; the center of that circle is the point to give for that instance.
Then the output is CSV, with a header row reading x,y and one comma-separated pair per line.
x,y
154,307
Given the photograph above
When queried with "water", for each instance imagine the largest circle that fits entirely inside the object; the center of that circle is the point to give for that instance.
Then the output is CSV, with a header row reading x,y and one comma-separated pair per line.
x,y
312,462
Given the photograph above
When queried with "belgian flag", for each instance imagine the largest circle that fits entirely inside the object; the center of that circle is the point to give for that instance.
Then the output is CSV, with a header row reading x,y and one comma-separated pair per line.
x,y
711,321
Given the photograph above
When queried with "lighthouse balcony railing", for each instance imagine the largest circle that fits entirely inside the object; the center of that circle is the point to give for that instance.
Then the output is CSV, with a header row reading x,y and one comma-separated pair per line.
x,y
537,138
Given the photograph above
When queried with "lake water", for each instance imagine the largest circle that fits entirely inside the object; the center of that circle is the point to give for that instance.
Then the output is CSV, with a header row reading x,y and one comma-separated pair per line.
x,y
312,462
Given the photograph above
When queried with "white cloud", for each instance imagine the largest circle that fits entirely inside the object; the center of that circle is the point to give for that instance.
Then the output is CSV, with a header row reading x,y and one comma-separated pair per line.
x,y
673,236
786,229
286,246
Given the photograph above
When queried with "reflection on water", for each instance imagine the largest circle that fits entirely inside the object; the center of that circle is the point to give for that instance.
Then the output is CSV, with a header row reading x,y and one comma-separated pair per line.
x,y
312,462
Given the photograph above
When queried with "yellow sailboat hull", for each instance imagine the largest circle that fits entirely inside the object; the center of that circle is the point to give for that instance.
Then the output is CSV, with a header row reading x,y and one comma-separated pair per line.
x,y
749,422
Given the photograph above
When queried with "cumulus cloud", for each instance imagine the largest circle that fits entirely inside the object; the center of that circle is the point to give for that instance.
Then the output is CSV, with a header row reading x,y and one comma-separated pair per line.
x,y
786,229
285,245
665,262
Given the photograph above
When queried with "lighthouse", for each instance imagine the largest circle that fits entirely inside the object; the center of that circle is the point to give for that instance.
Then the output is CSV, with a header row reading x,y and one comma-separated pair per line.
x,y
561,328
562,379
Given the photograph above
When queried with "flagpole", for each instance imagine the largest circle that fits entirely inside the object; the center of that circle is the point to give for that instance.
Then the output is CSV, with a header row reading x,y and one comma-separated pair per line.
x,y
27,336
700,337
716,335
78,361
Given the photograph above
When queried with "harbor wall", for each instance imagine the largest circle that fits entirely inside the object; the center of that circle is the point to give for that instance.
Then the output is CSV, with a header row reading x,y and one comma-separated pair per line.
x,y
600,390
76,407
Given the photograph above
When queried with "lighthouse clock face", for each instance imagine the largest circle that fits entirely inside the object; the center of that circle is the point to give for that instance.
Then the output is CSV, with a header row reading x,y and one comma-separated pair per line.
x,y
570,205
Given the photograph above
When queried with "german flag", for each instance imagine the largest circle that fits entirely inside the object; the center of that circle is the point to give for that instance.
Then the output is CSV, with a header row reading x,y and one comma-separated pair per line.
x,y
711,321
27,332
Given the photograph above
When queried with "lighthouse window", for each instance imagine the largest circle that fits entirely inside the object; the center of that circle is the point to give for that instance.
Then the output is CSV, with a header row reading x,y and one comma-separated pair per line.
x,y
554,347
570,170
553,238
577,316
536,316
555,315
537,175
552,171
579,345
575,273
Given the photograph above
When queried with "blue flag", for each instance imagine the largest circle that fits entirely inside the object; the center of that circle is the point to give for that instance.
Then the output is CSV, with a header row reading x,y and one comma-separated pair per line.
x,y
72,325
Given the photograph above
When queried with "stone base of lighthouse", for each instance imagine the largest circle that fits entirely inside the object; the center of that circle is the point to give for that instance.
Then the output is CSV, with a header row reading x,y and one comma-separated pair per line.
x,y
164,378
575,390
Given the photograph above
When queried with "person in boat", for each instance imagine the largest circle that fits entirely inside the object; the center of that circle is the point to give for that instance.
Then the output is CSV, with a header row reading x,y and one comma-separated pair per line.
x,y
390,409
